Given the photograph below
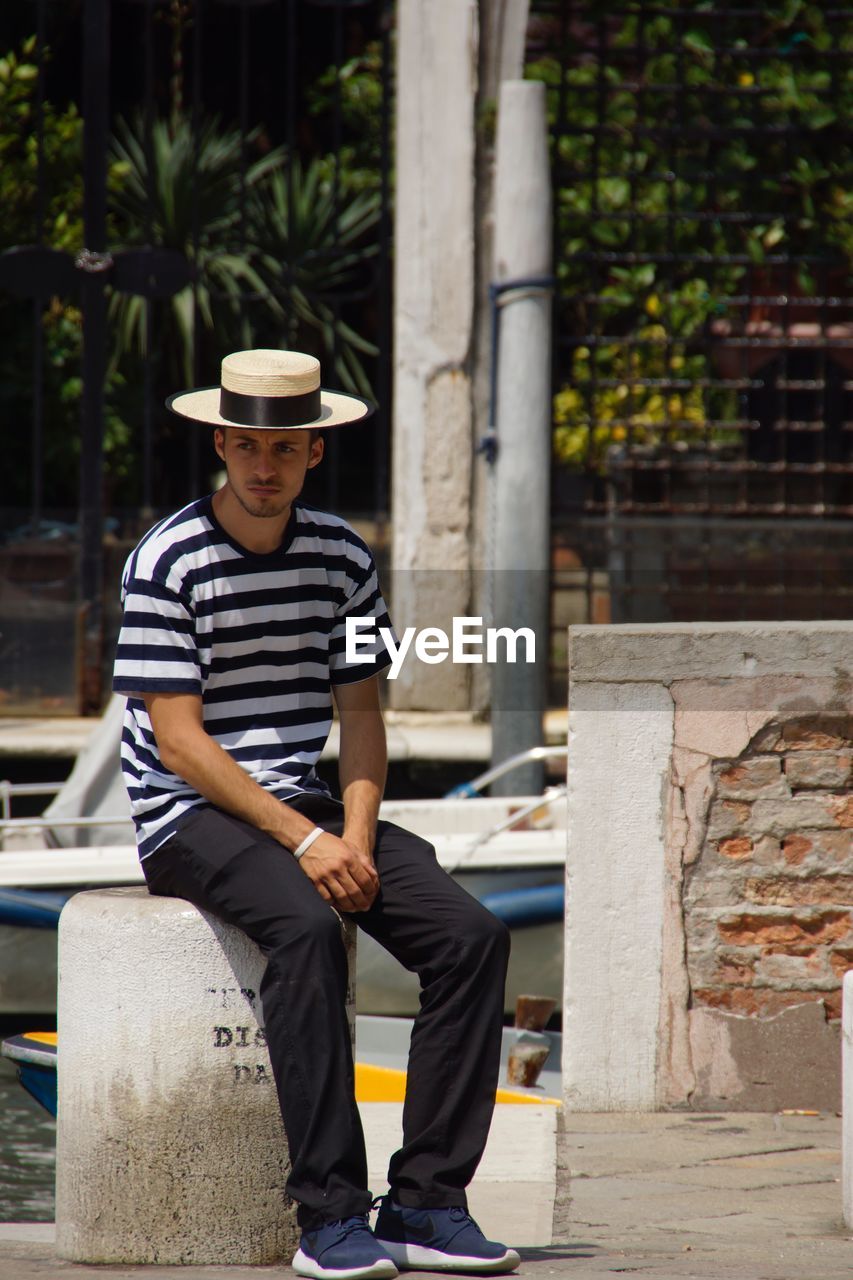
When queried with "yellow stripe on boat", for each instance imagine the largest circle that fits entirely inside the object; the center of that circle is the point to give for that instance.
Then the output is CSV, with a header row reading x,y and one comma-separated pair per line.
x,y
526,1099
388,1084
379,1084
43,1037
372,1083
36,1048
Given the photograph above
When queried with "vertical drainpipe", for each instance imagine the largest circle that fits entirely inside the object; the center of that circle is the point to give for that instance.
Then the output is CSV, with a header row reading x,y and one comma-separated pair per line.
x,y
94,262
520,450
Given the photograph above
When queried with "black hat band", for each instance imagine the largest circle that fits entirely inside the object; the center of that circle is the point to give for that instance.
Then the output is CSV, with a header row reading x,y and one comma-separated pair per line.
x,y
270,411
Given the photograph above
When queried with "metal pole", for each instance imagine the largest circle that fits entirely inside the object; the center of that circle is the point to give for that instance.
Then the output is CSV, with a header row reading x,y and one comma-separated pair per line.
x,y
37,499
521,466
94,262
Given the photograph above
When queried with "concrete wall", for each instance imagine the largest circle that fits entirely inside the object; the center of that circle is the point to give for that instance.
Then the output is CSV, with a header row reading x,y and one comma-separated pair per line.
x,y
710,894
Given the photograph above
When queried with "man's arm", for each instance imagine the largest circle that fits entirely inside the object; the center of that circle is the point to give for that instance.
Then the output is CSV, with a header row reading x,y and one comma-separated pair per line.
x,y
342,873
363,759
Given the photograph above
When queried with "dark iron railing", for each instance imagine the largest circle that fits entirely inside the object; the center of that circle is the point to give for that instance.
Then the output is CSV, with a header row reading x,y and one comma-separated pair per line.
x,y
703,370
231,103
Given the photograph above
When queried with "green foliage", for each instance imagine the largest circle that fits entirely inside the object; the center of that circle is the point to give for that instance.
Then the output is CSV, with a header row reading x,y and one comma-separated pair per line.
x,y
605,406
280,237
61,228
356,90
281,252
695,161
60,319
62,131
186,194
310,252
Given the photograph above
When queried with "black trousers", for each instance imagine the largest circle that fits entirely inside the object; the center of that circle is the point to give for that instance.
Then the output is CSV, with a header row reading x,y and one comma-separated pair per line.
x,y
432,926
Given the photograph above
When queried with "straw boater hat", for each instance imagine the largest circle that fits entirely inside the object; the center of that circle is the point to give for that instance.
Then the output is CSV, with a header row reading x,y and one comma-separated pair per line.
x,y
270,390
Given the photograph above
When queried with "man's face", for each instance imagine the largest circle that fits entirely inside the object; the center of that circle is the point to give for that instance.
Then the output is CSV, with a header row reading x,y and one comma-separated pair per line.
x,y
266,469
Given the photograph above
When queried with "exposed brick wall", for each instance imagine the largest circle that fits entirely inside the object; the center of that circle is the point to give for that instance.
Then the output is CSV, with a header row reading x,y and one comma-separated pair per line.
x,y
769,901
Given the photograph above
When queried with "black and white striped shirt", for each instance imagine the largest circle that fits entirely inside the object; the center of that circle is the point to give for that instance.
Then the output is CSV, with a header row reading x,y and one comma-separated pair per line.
x,y
260,637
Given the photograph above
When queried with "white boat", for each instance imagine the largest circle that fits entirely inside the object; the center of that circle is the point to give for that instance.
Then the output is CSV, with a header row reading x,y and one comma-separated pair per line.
x,y
381,1060
509,852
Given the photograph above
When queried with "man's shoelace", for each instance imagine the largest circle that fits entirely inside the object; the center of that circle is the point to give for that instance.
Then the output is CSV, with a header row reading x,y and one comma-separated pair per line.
x,y
464,1219
348,1226
457,1213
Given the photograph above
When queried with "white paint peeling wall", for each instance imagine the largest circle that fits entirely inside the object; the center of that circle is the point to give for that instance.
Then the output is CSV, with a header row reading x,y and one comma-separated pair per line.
x,y
619,744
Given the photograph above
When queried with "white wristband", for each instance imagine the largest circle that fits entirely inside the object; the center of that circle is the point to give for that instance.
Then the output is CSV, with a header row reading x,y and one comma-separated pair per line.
x,y
308,841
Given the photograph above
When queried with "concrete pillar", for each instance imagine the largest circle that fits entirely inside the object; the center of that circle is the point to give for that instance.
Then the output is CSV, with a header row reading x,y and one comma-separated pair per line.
x,y
520,546
655,713
847,1098
434,285
170,1147
619,748
503,27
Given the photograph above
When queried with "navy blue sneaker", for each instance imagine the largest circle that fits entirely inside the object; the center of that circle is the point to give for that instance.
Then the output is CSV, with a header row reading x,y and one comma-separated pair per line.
x,y
342,1250
439,1240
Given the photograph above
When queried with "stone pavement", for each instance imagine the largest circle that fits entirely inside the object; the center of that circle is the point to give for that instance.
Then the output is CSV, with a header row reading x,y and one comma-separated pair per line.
x,y
684,1194
670,1196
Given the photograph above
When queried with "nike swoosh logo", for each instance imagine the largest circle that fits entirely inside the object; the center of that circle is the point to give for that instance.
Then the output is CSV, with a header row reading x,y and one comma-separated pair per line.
x,y
418,1232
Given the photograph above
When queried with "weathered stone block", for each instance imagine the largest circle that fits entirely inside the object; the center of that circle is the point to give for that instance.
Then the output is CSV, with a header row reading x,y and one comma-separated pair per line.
x,y
727,818
705,969
801,972
782,817
170,1145
704,935
843,810
735,971
810,770
649,651
791,891
713,890
819,849
817,734
783,929
747,779
767,851
750,1002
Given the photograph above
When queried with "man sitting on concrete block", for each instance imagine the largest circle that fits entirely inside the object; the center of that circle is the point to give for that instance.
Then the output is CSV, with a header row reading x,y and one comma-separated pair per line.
x,y
231,650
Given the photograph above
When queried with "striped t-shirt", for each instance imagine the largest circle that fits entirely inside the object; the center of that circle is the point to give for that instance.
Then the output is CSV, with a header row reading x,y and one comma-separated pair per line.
x,y
260,637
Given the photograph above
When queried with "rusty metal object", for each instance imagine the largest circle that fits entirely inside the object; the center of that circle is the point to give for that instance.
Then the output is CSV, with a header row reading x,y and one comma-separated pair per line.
x,y
530,1052
532,1012
527,1057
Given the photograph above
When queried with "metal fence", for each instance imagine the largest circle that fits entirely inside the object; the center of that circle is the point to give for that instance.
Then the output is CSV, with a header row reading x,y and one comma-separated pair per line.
x,y
180,178
703,372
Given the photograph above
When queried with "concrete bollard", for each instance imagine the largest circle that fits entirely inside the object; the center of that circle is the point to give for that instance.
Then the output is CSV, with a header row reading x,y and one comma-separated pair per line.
x,y
170,1146
847,1097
